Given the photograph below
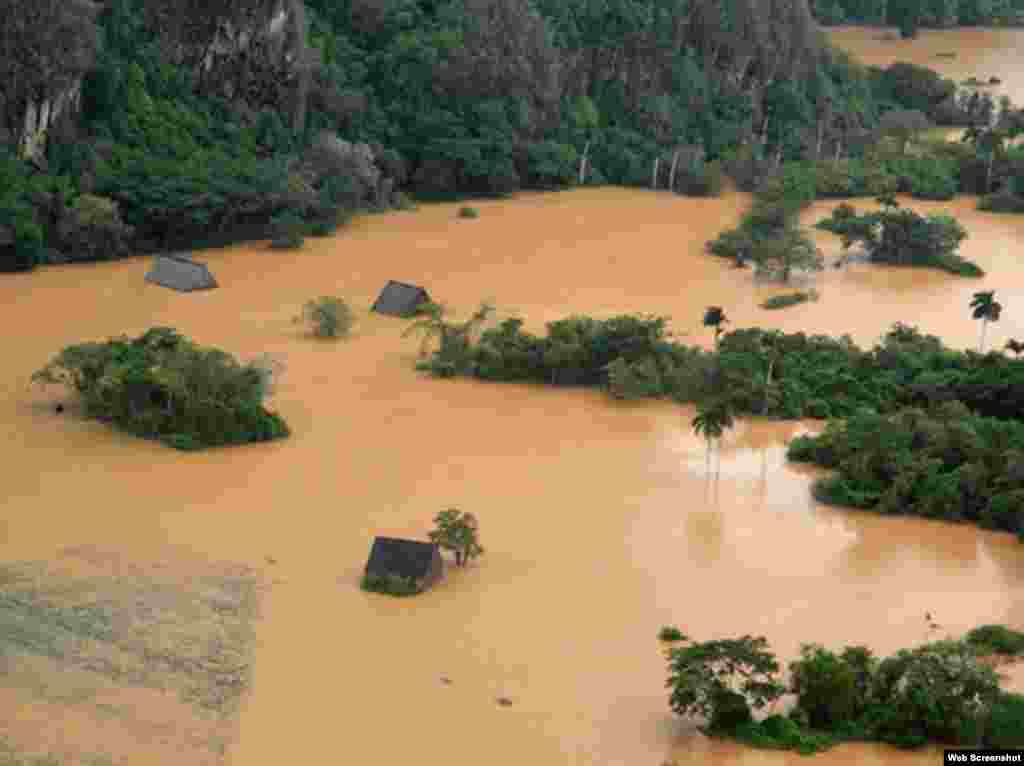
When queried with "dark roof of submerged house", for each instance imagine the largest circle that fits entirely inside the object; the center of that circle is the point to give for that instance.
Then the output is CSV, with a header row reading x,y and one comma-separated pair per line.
x,y
179,272
406,558
400,299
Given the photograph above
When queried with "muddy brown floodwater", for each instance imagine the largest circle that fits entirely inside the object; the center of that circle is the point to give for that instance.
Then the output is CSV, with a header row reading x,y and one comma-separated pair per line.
x,y
603,521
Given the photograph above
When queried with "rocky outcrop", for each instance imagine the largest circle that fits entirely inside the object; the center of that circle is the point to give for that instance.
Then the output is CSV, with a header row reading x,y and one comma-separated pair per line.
x,y
41,114
331,156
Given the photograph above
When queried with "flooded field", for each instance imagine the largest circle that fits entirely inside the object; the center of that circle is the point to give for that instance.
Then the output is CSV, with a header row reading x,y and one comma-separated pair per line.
x,y
979,52
602,520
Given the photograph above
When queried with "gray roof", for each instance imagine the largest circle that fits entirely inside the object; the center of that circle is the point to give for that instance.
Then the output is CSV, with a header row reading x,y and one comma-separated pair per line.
x,y
397,556
179,272
400,299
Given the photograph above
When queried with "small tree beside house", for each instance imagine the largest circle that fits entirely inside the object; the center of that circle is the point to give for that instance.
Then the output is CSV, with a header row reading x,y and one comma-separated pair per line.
x,y
457,532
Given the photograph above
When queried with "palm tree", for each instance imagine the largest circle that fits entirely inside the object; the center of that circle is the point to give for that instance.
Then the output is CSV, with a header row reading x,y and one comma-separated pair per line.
x,y
987,309
1015,346
715,317
450,336
714,418
770,344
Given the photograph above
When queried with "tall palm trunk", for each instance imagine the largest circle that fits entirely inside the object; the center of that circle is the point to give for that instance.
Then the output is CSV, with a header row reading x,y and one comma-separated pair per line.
x,y
981,343
767,385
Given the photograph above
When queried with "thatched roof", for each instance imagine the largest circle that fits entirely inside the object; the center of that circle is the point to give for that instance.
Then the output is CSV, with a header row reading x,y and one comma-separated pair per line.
x,y
400,299
406,558
178,272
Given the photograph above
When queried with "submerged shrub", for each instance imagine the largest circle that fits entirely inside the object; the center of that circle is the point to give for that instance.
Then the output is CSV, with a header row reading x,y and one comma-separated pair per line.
x,y
161,385
938,692
669,634
93,230
790,299
996,639
777,732
288,228
389,584
331,317
468,212
832,689
902,237
1004,723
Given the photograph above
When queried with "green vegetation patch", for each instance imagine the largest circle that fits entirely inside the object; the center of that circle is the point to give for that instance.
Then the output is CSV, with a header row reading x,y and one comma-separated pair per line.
x,y
790,299
939,463
936,693
901,237
329,317
162,386
391,585
996,639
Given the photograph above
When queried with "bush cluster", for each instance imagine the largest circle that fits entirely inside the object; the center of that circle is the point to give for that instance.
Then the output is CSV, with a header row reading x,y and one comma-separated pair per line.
x,y
943,463
162,386
901,237
936,693
996,639
330,317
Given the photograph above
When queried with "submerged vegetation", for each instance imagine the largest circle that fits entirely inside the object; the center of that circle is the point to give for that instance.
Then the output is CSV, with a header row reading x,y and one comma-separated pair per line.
x,y
790,299
330,317
936,693
162,386
901,237
390,585
922,429
939,463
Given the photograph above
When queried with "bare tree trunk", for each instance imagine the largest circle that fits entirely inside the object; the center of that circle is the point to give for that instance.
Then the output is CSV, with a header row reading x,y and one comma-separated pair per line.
x,y
988,174
297,42
767,384
654,175
583,164
672,172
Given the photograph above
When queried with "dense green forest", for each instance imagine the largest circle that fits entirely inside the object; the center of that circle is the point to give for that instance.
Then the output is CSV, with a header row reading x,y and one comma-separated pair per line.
x,y
919,13
197,122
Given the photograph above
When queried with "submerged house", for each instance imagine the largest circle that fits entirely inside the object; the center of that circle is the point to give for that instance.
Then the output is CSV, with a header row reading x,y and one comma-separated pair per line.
x,y
400,299
412,560
181,273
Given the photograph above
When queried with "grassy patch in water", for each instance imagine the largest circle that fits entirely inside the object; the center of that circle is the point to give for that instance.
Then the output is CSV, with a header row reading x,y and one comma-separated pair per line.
x,y
790,299
136,629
